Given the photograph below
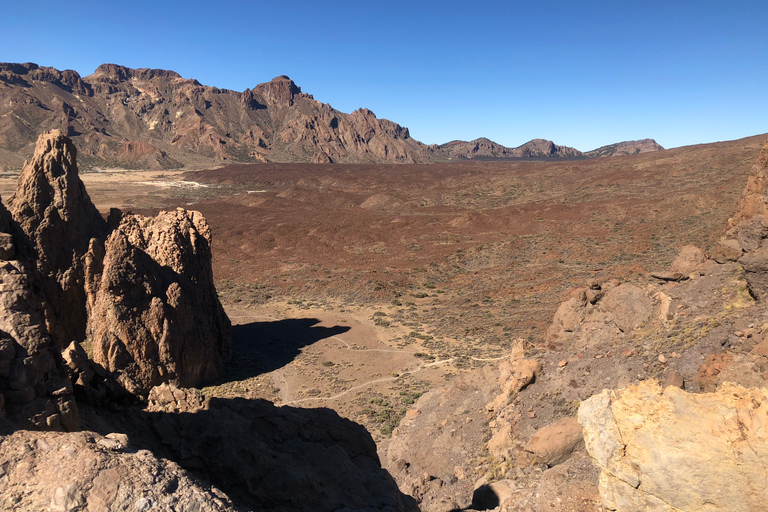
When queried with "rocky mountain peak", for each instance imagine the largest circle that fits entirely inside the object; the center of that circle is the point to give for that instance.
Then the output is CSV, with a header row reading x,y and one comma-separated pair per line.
x,y
629,147
280,90
120,73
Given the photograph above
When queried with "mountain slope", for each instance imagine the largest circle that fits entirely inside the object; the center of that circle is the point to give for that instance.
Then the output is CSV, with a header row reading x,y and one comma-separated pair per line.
x,y
154,118
629,147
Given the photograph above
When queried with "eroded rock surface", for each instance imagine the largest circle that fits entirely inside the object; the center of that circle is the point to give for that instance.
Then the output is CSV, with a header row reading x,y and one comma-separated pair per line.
x,y
88,471
154,315
667,450
58,218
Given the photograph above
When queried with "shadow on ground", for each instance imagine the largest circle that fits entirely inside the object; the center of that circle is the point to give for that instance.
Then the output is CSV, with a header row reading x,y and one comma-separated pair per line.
x,y
261,347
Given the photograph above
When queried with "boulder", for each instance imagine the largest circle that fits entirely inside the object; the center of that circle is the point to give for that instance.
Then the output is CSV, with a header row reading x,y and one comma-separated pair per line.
x,y
154,315
668,450
689,258
554,443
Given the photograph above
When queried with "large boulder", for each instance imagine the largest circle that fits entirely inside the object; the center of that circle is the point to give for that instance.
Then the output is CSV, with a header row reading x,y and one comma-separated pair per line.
x,y
669,450
154,315
58,220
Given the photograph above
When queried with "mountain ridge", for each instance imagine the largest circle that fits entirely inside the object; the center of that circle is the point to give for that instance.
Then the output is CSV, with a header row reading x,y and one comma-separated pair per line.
x,y
157,119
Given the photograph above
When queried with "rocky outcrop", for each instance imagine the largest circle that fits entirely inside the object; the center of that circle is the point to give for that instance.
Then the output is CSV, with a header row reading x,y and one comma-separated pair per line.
x,y
746,240
429,454
668,450
598,312
34,391
152,311
629,147
58,218
88,471
154,315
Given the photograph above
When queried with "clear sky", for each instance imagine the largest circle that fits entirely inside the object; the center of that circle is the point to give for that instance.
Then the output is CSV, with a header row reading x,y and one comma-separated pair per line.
x,y
581,73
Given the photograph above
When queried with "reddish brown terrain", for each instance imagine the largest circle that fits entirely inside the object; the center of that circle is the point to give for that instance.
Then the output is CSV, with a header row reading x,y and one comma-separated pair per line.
x,y
435,305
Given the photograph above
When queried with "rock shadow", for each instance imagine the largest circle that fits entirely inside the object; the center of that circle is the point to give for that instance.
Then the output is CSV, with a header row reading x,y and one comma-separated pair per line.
x,y
261,347
263,456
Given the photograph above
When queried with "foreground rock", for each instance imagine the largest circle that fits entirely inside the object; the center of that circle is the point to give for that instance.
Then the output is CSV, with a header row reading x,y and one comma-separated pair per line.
x,y
87,471
665,449
154,315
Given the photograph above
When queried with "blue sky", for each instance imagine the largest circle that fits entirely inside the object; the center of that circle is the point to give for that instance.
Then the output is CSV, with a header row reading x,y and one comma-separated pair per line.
x,y
582,74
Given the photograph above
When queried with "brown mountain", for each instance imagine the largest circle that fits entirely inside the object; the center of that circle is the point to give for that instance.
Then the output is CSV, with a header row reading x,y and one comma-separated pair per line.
x,y
629,147
153,118
486,148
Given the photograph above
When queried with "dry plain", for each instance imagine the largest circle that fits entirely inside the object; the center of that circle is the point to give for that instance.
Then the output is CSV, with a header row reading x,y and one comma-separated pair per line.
x,y
359,287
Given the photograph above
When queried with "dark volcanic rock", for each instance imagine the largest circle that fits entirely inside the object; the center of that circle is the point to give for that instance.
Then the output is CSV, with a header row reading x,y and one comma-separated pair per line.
x,y
154,315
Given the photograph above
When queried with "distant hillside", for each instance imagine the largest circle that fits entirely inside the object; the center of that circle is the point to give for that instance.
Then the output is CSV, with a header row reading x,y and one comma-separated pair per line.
x,y
629,147
151,118
485,148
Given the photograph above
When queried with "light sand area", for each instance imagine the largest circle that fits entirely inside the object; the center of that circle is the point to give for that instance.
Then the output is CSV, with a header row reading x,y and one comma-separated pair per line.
x,y
332,355
324,357
123,188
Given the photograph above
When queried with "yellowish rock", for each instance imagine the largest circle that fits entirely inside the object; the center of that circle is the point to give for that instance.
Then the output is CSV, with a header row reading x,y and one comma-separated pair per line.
x,y
669,450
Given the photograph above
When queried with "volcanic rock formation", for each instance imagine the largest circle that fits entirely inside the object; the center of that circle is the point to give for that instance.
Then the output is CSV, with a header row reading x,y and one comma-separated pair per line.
x,y
58,218
154,315
746,240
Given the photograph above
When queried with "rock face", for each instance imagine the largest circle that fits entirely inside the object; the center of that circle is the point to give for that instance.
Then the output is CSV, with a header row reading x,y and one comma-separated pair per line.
x,y
87,471
151,118
601,310
58,218
629,147
154,315
485,148
34,393
666,450
746,240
